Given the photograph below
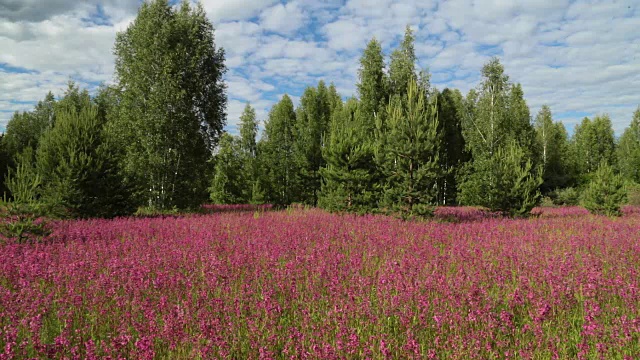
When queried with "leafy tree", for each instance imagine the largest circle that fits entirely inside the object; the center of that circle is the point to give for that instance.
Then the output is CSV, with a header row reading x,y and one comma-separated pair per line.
x,y
497,129
410,158
402,69
593,142
629,150
349,173
229,184
553,145
519,124
23,130
172,106
77,167
372,82
4,167
605,193
453,154
248,149
277,154
486,124
506,182
312,122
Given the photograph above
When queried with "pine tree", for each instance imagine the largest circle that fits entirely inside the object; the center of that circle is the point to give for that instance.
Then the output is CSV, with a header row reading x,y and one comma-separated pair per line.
x,y
77,167
505,182
277,154
349,173
605,192
172,102
410,160
629,150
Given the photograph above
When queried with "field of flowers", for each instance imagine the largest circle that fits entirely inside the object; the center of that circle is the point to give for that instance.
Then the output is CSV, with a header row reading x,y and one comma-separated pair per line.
x,y
304,283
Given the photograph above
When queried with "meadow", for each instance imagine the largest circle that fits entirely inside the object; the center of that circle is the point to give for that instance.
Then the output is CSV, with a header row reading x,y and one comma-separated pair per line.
x,y
309,284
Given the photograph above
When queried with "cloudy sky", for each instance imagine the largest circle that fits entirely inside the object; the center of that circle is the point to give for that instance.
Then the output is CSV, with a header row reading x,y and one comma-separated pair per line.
x,y
580,57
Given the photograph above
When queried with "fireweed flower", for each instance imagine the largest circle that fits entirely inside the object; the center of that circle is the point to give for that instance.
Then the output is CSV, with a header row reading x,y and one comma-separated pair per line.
x,y
308,284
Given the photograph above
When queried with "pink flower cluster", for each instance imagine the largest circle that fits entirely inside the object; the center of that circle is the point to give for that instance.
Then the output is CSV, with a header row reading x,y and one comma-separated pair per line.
x,y
308,284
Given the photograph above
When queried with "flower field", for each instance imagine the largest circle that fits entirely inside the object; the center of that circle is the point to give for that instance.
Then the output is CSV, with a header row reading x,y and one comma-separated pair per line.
x,y
305,283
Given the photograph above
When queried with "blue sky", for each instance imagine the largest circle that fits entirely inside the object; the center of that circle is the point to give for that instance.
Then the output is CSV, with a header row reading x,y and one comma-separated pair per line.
x,y
582,58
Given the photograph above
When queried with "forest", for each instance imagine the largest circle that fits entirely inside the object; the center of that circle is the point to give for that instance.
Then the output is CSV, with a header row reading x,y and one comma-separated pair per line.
x,y
154,140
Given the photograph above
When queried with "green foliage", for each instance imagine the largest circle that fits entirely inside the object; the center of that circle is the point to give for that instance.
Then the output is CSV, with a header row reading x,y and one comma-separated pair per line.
x,y
402,68
452,155
593,142
506,182
372,87
503,175
605,193
228,185
554,151
629,150
633,193
312,124
22,222
277,154
172,102
409,158
350,170
77,167
565,196
24,182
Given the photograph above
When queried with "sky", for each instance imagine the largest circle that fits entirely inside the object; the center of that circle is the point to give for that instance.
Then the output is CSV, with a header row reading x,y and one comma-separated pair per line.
x,y
582,58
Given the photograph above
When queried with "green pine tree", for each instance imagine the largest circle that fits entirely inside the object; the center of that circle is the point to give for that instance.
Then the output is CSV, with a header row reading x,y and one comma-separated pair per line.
x,y
410,159
605,192
349,173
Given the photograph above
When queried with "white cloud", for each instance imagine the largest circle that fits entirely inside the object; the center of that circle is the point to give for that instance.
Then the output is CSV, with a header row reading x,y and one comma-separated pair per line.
x,y
283,18
222,10
577,56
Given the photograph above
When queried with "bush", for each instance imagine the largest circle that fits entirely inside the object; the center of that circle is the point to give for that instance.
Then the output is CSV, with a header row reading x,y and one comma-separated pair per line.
x,y
23,222
566,197
605,193
633,194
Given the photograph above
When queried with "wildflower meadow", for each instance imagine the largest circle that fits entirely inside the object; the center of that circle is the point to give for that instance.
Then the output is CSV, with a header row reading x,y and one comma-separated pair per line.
x,y
304,283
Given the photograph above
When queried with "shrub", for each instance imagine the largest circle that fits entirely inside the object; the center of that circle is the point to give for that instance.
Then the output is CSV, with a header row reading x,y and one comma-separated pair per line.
x,y
605,193
567,197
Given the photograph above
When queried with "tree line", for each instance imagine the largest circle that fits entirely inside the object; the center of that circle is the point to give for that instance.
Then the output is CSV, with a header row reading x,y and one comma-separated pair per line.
x,y
155,138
